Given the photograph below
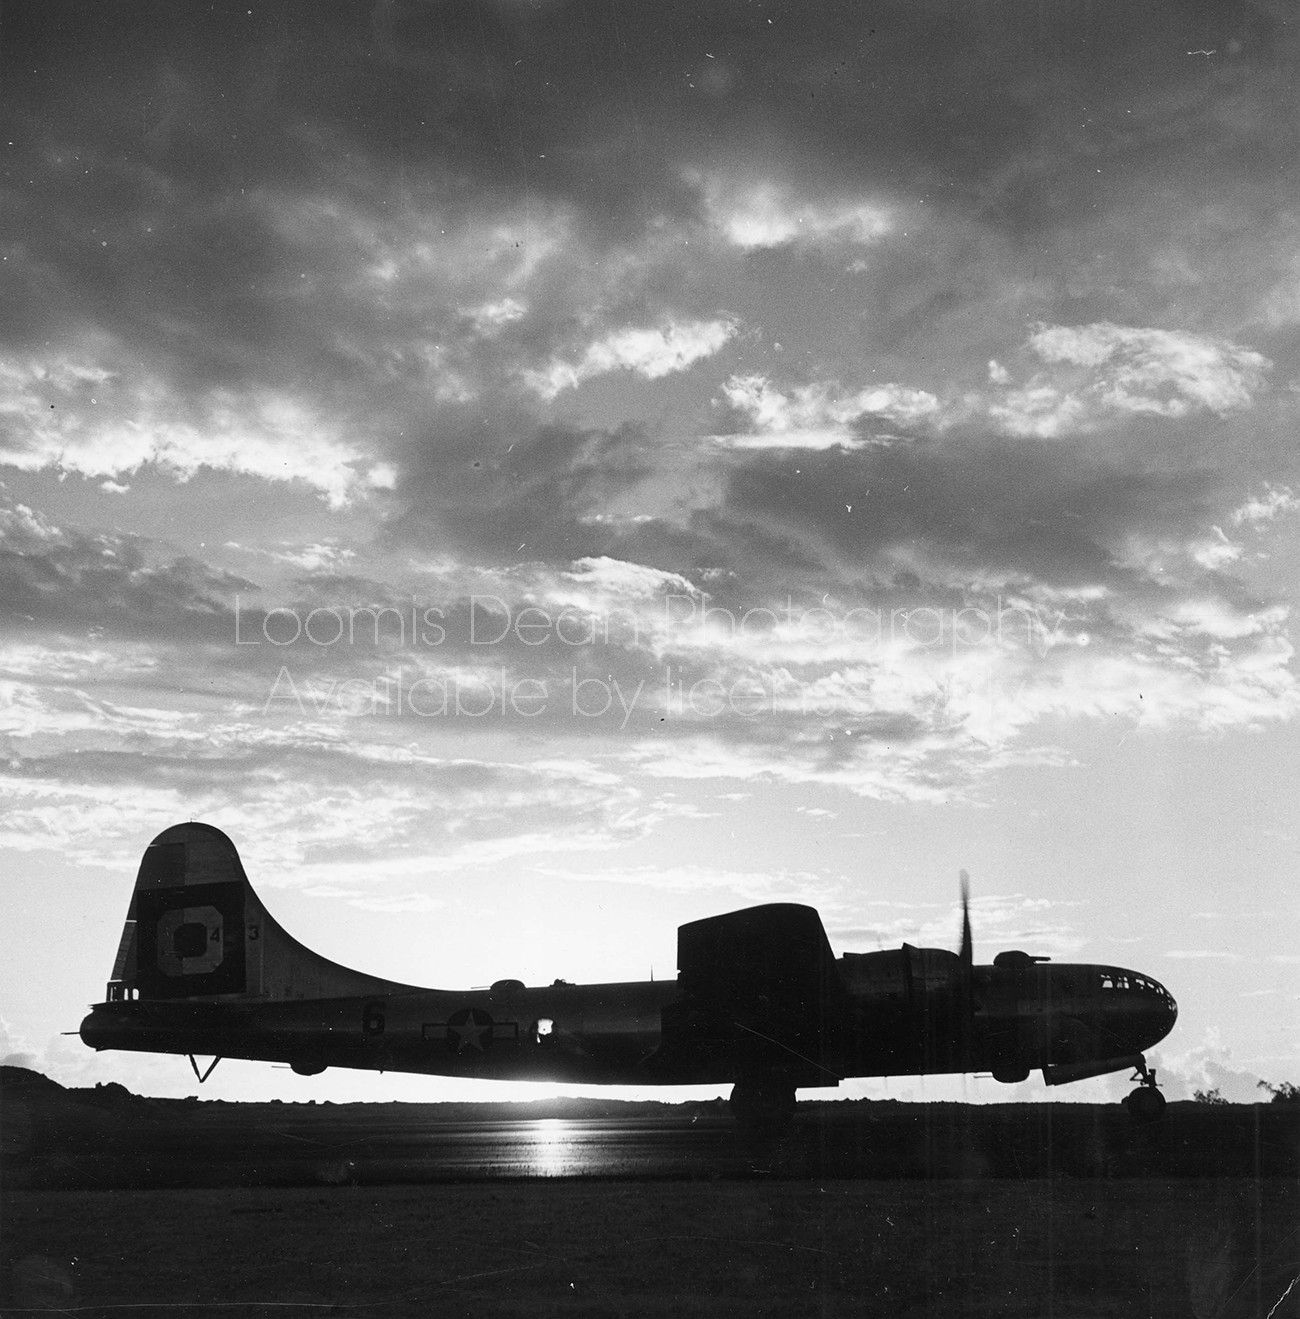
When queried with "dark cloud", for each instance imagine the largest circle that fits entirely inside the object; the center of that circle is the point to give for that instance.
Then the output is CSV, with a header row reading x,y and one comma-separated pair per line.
x,y
318,797
209,186
161,132
532,496
74,582
496,89
995,507
247,770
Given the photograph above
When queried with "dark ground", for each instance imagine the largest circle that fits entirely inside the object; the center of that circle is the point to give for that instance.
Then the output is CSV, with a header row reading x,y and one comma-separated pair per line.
x,y
1116,1249
899,1210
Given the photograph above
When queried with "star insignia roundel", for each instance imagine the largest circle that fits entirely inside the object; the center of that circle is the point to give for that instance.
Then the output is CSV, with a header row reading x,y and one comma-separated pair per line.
x,y
469,1031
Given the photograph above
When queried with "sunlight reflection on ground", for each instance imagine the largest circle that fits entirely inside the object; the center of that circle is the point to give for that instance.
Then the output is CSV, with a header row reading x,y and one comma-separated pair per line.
x,y
549,1147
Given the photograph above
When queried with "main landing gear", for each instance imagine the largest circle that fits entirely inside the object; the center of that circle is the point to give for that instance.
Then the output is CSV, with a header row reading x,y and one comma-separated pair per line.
x,y
1146,1103
762,1109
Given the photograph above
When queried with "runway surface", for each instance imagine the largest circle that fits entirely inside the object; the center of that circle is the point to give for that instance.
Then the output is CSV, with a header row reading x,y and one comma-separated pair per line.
x,y
558,1147
402,1150
61,1139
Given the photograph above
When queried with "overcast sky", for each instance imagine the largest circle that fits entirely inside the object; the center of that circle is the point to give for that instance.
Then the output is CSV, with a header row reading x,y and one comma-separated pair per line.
x,y
537,473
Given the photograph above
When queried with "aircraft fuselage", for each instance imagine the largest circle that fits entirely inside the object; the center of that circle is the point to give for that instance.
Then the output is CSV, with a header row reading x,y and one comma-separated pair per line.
x,y
1039,1017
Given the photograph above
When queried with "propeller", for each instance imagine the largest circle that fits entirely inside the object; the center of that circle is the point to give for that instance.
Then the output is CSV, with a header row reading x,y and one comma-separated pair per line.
x,y
965,987
967,956
965,979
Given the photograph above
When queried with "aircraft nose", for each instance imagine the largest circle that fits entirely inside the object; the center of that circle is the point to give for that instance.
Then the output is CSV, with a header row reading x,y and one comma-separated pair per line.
x,y
1164,1015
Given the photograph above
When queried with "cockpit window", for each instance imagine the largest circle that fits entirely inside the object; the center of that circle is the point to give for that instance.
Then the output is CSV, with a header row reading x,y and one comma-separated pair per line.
x,y
1125,980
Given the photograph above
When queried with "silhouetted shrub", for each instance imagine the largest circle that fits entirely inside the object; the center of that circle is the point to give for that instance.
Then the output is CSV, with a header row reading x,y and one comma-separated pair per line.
x,y
1285,1093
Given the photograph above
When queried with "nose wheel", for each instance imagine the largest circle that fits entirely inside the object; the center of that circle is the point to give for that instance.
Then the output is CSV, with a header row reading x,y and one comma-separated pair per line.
x,y
1146,1103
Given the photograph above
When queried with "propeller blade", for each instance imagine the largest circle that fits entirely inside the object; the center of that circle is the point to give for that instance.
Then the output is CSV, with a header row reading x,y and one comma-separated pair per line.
x,y
967,952
966,980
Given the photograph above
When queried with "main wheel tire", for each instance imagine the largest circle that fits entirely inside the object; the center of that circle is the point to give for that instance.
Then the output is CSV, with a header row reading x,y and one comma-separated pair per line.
x,y
762,1108
1145,1104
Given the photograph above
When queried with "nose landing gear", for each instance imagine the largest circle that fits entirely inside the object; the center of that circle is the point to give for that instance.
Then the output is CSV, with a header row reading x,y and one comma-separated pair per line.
x,y
1146,1103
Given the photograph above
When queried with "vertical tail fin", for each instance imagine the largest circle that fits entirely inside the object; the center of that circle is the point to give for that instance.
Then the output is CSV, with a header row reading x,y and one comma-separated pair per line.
x,y
195,930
